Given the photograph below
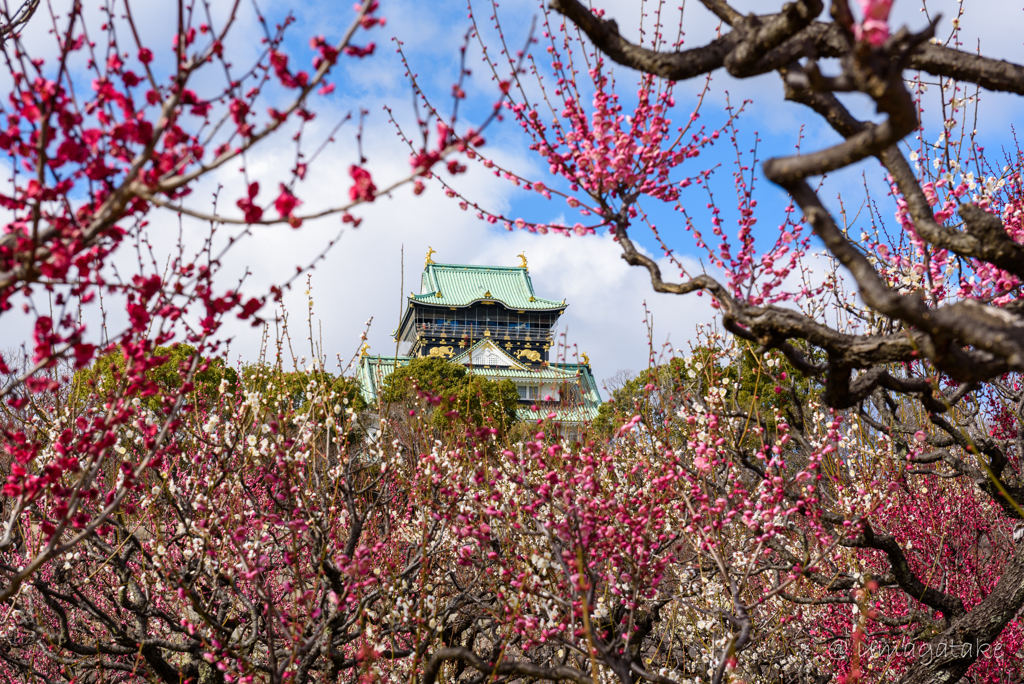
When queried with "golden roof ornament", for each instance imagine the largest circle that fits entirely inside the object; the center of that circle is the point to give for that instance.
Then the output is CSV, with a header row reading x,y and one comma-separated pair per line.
x,y
586,359
522,256
430,252
365,348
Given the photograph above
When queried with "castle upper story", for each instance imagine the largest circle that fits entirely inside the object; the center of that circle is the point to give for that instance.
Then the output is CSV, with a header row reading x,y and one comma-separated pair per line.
x,y
459,305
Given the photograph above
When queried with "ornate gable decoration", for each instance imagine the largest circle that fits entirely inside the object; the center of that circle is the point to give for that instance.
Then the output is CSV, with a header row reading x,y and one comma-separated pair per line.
x,y
486,353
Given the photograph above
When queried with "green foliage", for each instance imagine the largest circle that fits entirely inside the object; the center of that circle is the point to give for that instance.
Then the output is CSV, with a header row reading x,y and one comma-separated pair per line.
x,y
295,397
762,385
454,394
208,378
437,376
635,397
765,385
291,388
104,374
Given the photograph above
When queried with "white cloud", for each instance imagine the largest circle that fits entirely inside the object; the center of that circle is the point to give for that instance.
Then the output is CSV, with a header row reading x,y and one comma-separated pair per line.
x,y
362,276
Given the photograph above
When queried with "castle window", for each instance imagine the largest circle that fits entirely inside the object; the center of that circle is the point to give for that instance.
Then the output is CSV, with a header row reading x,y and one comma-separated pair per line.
x,y
528,392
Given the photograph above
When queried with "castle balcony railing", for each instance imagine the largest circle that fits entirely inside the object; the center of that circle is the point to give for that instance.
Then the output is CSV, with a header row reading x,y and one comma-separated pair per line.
x,y
497,331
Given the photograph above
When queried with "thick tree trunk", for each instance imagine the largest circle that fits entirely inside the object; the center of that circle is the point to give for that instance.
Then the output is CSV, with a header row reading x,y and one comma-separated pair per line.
x,y
971,636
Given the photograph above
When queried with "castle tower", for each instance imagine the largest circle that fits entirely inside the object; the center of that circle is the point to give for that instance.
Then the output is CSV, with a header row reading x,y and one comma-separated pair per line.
x,y
489,319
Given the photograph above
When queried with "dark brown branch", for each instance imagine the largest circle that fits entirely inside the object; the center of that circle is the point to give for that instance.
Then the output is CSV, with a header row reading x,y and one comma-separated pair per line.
x,y
21,17
503,667
950,606
675,66
985,238
820,39
723,11
993,74
762,34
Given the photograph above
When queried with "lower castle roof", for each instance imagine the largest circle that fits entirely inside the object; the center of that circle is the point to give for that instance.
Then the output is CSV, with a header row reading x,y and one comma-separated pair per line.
x,y
373,370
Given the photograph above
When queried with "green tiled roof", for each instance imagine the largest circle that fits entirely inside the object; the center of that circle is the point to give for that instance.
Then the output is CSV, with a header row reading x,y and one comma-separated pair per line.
x,y
576,414
548,373
374,369
460,285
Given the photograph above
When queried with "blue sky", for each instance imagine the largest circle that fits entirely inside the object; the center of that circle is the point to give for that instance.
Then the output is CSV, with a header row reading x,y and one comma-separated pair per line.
x,y
363,277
